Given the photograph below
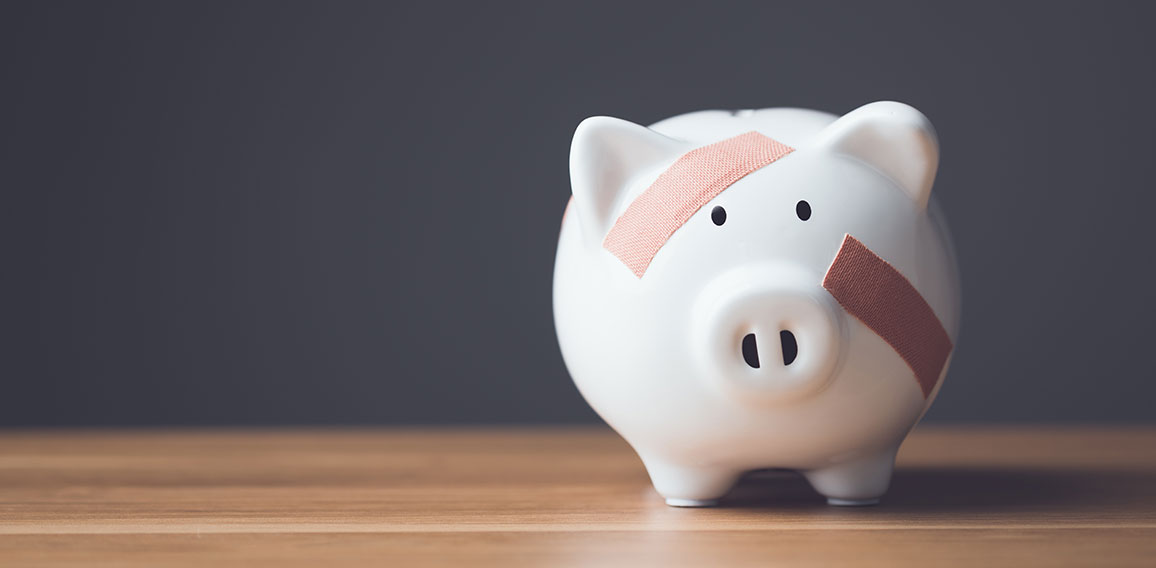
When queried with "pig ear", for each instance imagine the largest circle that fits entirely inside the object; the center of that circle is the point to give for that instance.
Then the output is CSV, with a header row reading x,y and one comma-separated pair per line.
x,y
606,155
895,139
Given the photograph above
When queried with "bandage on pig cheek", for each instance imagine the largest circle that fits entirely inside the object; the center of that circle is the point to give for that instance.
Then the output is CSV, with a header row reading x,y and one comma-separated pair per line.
x,y
873,291
680,191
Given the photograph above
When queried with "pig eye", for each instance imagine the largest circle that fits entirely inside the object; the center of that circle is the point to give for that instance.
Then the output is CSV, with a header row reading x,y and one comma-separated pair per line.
x,y
718,215
803,210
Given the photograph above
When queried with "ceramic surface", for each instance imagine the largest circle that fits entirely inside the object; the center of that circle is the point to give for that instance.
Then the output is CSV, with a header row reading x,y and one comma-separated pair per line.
x,y
660,357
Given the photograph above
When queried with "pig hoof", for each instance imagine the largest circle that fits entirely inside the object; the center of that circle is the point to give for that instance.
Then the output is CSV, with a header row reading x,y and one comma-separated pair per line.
x,y
852,502
675,502
684,486
857,482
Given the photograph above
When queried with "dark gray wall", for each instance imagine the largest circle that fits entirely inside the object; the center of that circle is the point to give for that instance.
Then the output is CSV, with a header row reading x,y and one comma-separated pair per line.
x,y
272,213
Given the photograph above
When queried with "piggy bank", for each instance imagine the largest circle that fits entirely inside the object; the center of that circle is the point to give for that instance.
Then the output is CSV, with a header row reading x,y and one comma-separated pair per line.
x,y
742,290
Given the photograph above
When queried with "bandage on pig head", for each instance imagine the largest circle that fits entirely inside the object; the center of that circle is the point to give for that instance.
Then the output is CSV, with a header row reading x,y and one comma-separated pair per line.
x,y
608,152
877,294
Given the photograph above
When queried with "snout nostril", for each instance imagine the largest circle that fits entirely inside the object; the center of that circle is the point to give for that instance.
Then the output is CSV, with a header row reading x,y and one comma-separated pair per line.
x,y
790,347
751,350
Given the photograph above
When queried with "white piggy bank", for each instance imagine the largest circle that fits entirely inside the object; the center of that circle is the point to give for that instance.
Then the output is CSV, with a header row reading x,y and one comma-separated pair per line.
x,y
758,289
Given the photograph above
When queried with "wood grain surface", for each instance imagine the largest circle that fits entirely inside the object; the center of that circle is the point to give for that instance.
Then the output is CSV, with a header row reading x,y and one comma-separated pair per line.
x,y
556,497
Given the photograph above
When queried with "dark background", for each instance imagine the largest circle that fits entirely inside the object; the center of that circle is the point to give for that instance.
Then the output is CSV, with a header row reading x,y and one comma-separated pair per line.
x,y
346,213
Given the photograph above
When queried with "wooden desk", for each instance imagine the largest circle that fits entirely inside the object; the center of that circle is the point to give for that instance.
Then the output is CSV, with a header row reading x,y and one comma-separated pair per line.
x,y
556,497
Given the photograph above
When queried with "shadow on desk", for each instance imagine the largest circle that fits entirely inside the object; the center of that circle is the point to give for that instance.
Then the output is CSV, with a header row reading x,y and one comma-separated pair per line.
x,y
963,489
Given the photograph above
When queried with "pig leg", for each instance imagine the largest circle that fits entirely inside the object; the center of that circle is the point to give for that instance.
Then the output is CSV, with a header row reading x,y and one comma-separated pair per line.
x,y
687,486
861,481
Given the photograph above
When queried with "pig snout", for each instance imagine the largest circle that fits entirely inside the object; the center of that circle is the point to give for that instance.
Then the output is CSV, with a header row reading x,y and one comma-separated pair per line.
x,y
767,333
